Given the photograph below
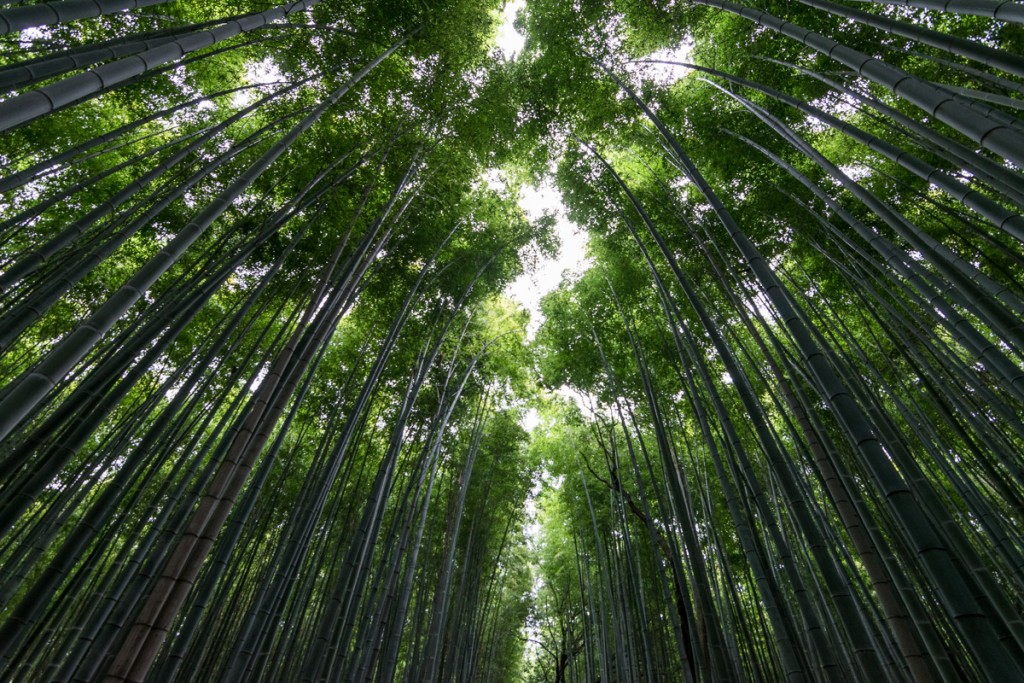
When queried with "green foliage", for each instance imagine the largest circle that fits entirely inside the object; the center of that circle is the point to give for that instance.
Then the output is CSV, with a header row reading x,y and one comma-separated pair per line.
x,y
778,414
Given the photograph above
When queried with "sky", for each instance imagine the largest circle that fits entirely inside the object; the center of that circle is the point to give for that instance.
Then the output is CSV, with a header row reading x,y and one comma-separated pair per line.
x,y
510,40
530,287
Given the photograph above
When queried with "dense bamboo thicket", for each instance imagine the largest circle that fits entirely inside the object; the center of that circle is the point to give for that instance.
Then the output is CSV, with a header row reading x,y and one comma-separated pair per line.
x,y
263,399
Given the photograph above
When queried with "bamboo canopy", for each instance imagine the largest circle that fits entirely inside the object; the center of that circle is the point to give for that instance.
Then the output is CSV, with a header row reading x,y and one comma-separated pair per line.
x,y
268,411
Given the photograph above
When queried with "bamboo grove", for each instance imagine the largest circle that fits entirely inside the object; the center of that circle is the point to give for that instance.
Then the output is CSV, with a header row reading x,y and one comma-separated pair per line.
x,y
263,398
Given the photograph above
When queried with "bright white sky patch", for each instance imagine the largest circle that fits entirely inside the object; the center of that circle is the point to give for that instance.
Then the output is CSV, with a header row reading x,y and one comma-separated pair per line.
x,y
663,74
510,41
258,73
528,288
